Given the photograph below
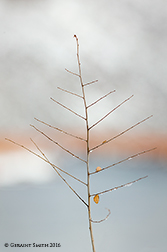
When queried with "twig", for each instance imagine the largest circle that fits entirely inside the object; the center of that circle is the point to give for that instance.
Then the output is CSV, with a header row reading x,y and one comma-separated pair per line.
x,y
44,159
107,141
57,143
57,166
104,218
39,149
128,158
67,108
100,98
69,92
62,131
71,188
89,83
72,72
111,112
54,167
117,187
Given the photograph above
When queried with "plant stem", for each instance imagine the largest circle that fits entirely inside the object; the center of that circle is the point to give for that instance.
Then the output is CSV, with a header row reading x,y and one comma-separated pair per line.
x,y
88,150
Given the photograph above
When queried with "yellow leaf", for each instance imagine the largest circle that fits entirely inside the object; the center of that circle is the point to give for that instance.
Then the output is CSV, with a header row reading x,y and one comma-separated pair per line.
x,y
98,168
96,198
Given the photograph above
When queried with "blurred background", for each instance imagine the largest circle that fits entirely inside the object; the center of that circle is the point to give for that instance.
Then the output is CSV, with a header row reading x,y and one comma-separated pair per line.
x,y
123,46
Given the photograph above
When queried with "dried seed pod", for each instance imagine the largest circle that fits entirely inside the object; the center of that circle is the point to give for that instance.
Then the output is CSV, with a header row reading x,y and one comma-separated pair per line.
x,y
96,198
98,168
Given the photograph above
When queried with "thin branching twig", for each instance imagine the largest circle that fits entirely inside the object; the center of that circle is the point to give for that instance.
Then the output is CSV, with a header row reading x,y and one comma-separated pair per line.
x,y
110,112
62,131
104,96
117,187
54,167
72,72
59,170
69,92
89,83
99,221
71,153
44,159
121,161
68,108
120,134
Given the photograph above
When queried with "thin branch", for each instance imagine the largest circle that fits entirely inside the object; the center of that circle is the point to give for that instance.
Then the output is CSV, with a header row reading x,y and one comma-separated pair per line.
x,y
47,160
87,147
72,72
128,158
71,188
22,146
57,143
89,83
120,134
104,218
39,150
54,167
100,98
67,108
69,92
62,131
111,111
68,174
117,187
44,159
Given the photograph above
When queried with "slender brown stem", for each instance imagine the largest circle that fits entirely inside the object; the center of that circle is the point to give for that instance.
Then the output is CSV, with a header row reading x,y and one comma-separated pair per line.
x,y
67,108
110,112
54,167
99,221
89,83
57,144
62,131
88,151
71,72
117,187
101,98
128,158
120,134
69,92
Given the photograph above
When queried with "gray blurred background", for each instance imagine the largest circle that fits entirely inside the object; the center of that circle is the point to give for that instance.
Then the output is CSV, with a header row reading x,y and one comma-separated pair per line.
x,y
123,45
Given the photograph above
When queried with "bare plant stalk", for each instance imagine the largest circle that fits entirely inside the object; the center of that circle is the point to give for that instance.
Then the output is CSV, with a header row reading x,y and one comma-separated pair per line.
x,y
88,150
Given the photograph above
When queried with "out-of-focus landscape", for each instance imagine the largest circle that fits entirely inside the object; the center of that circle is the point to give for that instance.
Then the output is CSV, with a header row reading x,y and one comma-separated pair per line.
x,y
123,46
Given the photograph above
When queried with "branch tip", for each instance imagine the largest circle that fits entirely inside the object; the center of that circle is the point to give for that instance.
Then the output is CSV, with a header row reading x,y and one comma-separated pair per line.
x,y
118,187
102,219
111,111
123,132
